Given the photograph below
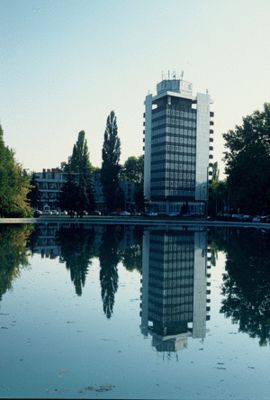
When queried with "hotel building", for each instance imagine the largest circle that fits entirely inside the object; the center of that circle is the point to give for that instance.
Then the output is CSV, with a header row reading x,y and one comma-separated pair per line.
x,y
177,145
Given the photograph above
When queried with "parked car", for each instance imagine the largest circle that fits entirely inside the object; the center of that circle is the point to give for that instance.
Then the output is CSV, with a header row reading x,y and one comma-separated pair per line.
x,y
96,212
136,213
72,213
47,212
124,213
173,214
63,213
82,213
37,213
54,212
257,218
238,217
152,214
246,217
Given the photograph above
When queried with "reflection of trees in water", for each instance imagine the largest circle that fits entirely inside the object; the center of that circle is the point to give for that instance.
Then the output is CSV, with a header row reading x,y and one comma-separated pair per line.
x,y
76,251
246,285
217,241
76,246
132,253
13,253
109,257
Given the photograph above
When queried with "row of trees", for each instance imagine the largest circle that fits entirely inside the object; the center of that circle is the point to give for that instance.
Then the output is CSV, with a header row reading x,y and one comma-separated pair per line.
x,y
247,158
246,189
19,192
78,193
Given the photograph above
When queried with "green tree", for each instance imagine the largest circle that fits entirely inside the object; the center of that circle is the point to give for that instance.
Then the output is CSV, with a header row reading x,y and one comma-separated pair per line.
x,y
248,163
133,171
218,193
77,192
68,196
110,169
33,195
14,184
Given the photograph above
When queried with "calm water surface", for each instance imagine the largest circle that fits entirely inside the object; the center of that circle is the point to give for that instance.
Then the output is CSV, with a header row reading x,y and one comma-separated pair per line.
x,y
125,312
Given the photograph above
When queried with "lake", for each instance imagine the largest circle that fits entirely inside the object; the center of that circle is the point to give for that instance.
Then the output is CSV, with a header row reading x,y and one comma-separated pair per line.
x,y
131,312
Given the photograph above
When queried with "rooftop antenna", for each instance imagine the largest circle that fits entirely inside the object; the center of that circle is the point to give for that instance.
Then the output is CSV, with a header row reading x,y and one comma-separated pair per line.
x,y
206,91
174,75
182,74
169,74
162,75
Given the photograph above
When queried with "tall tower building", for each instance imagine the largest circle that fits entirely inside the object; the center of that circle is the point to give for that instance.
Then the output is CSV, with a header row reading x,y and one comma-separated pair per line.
x,y
177,147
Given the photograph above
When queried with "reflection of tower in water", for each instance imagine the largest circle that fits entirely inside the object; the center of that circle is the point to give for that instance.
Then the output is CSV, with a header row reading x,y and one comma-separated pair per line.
x,y
174,287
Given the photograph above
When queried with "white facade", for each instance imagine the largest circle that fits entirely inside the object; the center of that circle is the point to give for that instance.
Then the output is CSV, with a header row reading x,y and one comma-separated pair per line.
x,y
147,145
176,148
202,145
49,183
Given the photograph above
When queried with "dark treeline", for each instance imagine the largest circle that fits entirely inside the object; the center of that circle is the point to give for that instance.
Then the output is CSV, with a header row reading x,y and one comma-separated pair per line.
x,y
247,157
246,283
78,193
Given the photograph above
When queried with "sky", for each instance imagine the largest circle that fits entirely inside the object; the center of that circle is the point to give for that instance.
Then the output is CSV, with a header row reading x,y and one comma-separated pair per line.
x,y
65,64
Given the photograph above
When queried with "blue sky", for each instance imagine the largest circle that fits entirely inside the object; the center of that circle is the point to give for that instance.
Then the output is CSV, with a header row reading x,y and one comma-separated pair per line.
x,y
64,65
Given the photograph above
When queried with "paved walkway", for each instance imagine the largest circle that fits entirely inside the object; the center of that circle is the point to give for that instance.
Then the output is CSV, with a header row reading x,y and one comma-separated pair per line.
x,y
146,221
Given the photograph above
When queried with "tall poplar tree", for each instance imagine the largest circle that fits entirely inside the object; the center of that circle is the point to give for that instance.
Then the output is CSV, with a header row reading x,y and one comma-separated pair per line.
x,y
14,184
110,169
77,192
